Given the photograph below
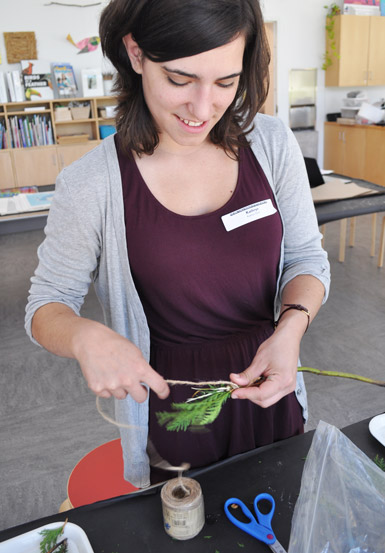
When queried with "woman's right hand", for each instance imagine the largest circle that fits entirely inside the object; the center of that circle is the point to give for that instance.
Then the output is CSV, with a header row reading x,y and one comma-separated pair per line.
x,y
114,366
111,364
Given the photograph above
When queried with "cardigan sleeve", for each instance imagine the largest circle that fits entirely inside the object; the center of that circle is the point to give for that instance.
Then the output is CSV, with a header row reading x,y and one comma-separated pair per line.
x,y
280,156
69,254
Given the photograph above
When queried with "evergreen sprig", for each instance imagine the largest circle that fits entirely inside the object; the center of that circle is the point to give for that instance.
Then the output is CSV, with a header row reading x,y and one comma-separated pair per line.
x,y
50,537
201,409
380,462
206,404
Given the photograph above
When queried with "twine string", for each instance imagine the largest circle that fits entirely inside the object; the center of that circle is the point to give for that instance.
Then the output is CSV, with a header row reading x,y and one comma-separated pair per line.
x,y
162,462
172,383
232,385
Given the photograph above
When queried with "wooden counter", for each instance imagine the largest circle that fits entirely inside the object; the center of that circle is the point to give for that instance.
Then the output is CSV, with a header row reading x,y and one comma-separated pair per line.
x,y
357,151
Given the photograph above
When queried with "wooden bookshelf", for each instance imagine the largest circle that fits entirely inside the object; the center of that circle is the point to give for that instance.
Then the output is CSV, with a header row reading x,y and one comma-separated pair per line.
x,y
25,164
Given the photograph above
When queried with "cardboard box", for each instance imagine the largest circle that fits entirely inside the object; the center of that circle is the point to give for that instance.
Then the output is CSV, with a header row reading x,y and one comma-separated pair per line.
x,y
62,114
81,112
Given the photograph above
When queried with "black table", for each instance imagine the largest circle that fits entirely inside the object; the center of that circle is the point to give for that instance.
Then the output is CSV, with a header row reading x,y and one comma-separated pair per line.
x,y
352,207
134,523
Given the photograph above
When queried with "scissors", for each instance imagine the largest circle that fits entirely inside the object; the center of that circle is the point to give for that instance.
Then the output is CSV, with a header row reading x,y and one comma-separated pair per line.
x,y
260,526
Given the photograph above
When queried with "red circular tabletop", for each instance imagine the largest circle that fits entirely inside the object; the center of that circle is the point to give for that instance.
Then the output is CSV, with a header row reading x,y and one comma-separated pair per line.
x,y
98,475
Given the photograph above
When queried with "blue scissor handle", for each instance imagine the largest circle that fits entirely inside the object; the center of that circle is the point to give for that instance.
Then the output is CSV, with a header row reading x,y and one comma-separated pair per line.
x,y
264,519
262,531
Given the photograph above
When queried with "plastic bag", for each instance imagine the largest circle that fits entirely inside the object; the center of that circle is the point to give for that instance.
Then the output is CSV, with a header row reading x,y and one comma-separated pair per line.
x,y
341,505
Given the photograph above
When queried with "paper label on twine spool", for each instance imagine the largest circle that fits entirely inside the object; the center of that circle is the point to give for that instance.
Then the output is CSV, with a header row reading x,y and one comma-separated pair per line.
x,y
183,508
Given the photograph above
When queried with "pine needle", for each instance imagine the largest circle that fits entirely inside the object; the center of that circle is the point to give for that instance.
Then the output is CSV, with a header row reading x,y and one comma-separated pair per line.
x,y
380,462
50,537
201,409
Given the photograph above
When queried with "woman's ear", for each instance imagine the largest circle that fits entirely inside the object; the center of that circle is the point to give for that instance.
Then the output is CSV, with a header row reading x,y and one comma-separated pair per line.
x,y
133,52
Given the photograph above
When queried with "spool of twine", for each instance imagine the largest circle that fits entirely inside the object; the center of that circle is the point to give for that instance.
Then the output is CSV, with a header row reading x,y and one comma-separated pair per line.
x,y
183,508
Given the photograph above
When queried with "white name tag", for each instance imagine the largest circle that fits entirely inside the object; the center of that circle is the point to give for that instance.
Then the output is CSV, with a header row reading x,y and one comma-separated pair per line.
x,y
248,214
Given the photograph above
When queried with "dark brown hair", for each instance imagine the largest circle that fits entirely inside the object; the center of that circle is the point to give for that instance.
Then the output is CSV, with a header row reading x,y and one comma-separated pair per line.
x,y
171,29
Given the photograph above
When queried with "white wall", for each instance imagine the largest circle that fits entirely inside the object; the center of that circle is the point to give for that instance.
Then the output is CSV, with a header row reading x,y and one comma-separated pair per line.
x,y
300,43
51,24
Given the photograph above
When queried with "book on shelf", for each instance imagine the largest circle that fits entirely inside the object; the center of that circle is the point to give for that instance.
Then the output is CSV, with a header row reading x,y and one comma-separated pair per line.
x,y
9,192
3,89
30,130
362,7
35,108
64,80
2,132
19,92
26,203
37,79
11,88
4,136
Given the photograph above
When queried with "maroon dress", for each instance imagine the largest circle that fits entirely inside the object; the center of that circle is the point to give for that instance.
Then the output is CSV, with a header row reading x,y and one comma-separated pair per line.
x,y
208,296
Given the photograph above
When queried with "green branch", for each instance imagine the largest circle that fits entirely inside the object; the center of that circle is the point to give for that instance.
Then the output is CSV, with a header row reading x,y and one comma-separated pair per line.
x,y
342,375
206,403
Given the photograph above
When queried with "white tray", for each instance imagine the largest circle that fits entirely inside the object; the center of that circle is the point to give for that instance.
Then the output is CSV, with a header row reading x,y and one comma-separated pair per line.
x,y
30,541
377,428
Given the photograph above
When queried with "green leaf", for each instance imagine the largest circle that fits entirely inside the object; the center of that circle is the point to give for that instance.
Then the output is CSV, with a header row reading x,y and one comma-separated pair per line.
x,y
200,410
50,538
380,462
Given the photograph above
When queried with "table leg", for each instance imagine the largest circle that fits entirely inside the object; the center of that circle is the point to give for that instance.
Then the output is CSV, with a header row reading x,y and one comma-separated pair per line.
x,y
352,233
382,244
343,228
373,240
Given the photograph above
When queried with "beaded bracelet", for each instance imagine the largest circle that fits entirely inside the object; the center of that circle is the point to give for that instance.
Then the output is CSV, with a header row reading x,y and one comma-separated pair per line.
x,y
298,307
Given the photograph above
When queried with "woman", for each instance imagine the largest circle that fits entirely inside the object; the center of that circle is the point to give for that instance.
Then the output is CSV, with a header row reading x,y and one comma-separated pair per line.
x,y
196,225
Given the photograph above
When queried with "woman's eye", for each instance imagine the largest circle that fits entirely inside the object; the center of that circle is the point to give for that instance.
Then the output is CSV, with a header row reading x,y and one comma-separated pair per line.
x,y
175,83
226,85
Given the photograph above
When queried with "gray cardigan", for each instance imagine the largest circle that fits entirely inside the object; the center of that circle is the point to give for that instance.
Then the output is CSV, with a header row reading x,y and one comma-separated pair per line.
x,y
85,242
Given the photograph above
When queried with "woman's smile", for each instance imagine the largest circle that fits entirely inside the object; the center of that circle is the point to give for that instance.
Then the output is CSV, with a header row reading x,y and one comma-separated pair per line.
x,y
191,126
191,123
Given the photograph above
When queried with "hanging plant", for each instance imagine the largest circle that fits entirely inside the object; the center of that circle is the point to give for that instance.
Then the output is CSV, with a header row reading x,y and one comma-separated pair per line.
x,y
332,11
209,397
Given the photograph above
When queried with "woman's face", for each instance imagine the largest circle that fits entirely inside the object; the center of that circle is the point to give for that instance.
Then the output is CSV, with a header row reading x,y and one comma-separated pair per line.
x,y
188,96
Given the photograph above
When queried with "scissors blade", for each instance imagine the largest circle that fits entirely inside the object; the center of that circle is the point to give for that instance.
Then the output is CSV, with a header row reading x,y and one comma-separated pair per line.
x,y
277,547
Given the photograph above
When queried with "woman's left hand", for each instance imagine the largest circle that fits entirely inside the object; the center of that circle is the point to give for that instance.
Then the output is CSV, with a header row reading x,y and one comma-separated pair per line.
x,y
276,360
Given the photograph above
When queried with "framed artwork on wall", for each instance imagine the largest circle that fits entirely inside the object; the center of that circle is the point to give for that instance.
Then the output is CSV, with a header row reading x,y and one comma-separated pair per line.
x,y
92,82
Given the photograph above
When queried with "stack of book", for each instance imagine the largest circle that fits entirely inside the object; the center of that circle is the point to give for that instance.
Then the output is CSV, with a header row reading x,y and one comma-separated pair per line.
x,y
362,7
24,203
12,80
3,89
32,130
